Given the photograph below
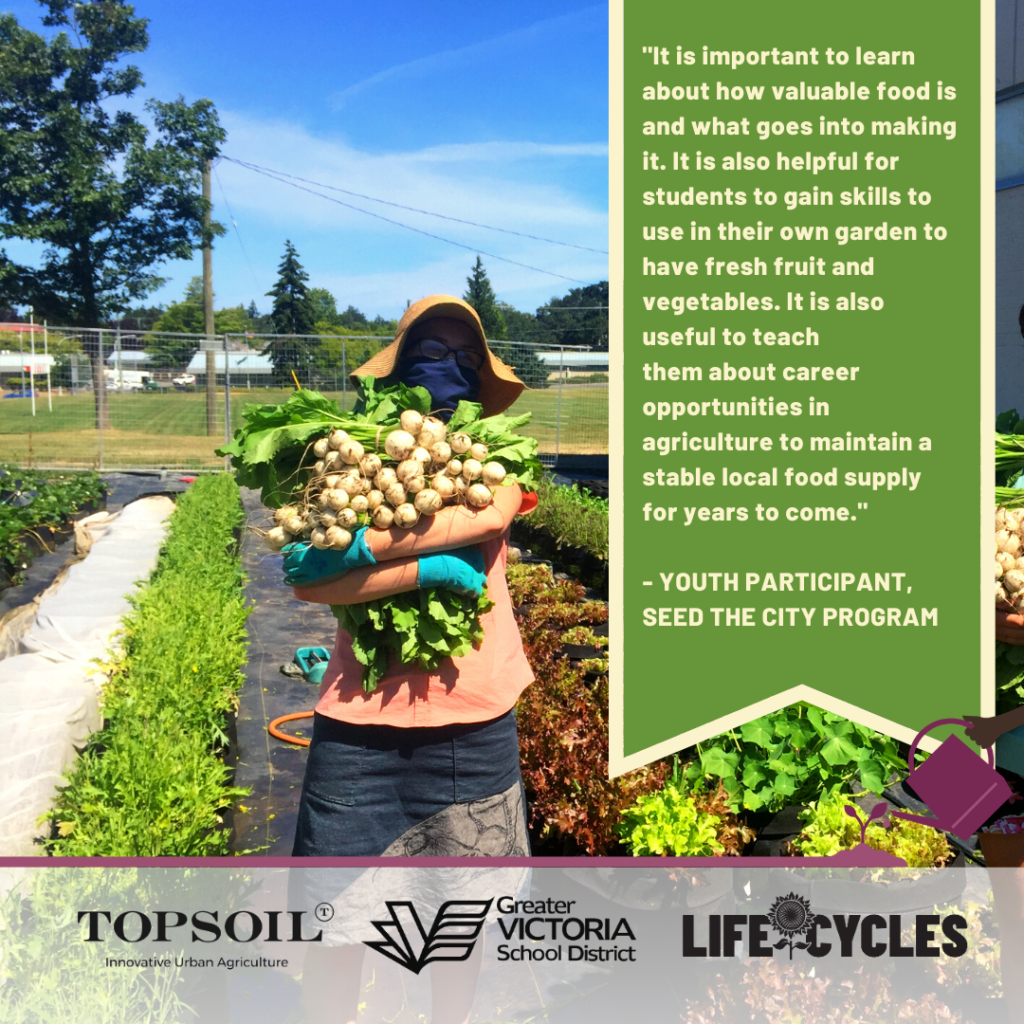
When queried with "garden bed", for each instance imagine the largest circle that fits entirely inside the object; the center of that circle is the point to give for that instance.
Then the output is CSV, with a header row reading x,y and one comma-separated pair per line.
x,y
569,527
153,781
37,511
776,786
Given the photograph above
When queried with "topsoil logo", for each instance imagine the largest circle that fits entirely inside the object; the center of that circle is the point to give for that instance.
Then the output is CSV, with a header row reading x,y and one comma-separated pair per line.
x,y
452,936
791,917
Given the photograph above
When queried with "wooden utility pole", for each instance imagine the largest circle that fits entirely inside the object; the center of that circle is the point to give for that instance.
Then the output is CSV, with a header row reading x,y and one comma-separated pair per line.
x,y
211,356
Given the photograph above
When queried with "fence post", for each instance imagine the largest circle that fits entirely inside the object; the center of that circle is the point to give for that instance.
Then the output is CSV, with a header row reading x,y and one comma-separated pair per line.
x,y
227,401
101,394
344,378
32,361
558,413
211,387
49,380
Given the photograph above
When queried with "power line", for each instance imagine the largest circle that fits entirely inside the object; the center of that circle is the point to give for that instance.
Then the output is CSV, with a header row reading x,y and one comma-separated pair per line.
x,y
408,227
234,224
415,209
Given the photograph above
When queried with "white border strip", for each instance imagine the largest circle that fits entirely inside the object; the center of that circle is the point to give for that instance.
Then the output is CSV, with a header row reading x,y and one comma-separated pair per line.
x,y
618,762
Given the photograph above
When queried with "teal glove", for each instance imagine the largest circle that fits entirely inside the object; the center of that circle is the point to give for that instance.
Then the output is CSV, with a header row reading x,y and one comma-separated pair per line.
x,y
305,564
461,570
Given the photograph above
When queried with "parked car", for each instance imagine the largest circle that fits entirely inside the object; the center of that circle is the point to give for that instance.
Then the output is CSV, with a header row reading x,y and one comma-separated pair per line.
x,y
184,380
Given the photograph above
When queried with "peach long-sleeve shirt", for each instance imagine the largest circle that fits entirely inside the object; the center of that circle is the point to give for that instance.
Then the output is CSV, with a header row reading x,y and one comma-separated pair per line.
x,y
477,687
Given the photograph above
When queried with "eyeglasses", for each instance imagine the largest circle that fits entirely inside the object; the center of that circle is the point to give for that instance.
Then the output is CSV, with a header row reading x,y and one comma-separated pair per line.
x,y
432,348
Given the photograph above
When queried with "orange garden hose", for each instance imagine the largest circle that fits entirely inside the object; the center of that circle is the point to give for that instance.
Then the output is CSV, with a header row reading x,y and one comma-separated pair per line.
x,y
287,737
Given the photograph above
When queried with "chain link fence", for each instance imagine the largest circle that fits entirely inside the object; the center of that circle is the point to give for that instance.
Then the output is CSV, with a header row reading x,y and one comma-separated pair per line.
x,y
109,399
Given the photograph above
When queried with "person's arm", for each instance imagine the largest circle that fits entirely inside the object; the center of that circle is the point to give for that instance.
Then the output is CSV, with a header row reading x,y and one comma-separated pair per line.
x,y
366,584
985,731
456,526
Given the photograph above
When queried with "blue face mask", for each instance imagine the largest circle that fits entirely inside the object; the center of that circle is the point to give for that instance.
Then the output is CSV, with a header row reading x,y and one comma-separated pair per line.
x,y
447,382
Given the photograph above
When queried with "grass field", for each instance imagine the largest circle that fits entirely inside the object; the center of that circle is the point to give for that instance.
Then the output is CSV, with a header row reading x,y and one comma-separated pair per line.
x,y
169,430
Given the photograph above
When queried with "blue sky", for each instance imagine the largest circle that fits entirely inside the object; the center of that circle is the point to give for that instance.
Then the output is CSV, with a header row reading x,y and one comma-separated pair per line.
x,y
489,111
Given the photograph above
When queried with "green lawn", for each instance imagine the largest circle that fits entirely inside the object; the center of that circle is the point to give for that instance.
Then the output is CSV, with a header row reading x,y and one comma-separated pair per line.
x,y
170,429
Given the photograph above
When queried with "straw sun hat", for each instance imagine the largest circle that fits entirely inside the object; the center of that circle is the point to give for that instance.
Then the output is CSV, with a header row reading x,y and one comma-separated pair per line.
x,y
499,386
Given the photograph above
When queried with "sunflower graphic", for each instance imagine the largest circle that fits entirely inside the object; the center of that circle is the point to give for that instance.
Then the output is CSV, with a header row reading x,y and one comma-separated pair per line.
x,y
791,916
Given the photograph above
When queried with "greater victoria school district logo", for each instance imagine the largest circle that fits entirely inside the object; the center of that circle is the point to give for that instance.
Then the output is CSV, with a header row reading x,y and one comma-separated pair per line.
x,y
452,936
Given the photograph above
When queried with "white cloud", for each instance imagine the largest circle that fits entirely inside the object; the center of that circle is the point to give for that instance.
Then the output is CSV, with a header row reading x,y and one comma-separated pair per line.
x,y
377,265
462,55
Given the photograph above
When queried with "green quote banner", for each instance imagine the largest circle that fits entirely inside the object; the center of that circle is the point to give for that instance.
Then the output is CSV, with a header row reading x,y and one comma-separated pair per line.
x,y
801,231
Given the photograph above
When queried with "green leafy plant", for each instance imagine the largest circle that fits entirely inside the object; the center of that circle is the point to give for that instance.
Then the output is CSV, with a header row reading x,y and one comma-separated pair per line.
x,y
830,829
44,977
572,517
792,756
668,823
563,723
420,628
271,448
30,499
152,782
1009,677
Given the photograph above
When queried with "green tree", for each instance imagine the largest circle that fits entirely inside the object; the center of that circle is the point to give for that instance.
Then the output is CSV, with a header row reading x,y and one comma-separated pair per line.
x,y
378,325
522,328
325,306
353,319
292,314
580,317
141,318
80,177
186,317
252,312
293,311
480,295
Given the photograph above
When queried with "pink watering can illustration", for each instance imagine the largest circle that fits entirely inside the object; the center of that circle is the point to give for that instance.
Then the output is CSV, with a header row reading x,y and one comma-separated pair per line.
x,y
862,855
959,788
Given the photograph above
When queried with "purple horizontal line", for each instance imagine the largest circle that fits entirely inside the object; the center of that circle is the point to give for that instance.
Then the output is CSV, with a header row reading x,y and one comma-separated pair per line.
x,y
419,862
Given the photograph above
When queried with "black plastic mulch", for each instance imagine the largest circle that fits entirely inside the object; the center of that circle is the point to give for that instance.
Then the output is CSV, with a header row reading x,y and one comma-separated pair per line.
x,y
123,488
277,626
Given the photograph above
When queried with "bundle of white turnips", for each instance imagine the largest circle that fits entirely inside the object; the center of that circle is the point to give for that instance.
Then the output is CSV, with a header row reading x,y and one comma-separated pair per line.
x,y
388,463
1010,559
385,465
422,468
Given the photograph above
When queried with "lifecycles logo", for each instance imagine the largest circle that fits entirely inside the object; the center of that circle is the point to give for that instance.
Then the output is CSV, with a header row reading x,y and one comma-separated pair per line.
x,y
792,918
452,936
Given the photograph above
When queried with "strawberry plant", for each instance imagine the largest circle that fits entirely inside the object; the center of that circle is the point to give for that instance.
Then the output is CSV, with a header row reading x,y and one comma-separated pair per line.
x,y
31,499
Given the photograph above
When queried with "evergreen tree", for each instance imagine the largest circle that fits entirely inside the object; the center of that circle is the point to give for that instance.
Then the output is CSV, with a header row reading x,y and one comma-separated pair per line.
x,y
293,311
292,314
252,312
480,295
